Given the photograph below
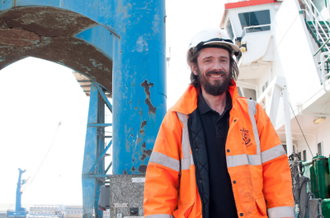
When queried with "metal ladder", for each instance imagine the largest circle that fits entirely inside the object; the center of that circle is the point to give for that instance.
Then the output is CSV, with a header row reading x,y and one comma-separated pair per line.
x,y
320,30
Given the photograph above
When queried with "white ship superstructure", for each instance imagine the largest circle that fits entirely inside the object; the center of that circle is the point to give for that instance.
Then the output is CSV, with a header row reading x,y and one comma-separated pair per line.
x,y
284,48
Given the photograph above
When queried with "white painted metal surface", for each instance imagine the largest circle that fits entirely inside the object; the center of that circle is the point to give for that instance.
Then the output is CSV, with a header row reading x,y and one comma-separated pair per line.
x,y
280,67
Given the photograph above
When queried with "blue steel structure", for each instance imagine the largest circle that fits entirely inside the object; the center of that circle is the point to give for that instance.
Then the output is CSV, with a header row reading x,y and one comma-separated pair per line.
x,y
120,45
94,173
19,212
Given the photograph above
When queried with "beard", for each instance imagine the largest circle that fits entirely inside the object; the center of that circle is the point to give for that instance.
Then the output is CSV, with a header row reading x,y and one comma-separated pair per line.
x,y
219,87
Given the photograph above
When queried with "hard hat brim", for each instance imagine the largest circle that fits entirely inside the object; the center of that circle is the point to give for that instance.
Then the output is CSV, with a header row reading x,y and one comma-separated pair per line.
x,y
232,46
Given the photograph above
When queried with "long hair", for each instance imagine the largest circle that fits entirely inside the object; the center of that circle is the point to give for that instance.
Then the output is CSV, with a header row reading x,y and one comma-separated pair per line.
x,y
194,80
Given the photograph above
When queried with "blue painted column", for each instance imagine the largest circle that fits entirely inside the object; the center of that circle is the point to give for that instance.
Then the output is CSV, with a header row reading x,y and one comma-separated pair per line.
x,y
89,184
139,81
93,173
100,148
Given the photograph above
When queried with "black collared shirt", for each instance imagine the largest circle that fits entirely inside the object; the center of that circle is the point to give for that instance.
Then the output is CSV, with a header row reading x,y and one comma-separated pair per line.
x,y
222,203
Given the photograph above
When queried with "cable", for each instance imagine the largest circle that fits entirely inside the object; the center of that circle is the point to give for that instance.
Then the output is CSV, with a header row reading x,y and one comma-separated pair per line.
x,y
27,185
301,130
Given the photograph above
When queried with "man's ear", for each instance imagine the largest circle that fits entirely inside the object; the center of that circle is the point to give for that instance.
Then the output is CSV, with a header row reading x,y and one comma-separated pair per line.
x,y
193,68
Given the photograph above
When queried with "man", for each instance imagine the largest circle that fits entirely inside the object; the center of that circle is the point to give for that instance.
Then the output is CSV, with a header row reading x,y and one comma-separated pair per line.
x,y
217,154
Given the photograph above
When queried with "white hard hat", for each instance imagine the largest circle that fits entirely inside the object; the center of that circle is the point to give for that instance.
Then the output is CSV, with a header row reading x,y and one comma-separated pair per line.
x,y
209,37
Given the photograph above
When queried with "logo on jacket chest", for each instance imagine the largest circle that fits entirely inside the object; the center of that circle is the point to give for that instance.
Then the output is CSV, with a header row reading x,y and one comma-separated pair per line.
x,y
246,137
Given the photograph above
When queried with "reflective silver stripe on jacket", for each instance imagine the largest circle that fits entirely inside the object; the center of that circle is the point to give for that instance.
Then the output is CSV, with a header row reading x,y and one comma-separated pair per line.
x,y
252,111
272,153
281,212
185,163
165,160
243,159
160,216
260,157
187,159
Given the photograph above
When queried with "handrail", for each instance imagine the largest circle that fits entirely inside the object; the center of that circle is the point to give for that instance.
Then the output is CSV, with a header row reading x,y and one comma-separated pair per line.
x,y
317,24
316,16
322,47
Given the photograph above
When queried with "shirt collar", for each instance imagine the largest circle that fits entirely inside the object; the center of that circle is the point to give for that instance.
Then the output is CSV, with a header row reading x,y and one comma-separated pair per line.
x,y
203,107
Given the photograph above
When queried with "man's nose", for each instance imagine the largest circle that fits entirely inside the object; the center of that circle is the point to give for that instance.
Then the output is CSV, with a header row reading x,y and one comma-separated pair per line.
x,y
217,66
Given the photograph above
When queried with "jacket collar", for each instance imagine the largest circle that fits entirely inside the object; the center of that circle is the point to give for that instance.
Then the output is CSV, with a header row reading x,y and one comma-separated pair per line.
x,y
188,101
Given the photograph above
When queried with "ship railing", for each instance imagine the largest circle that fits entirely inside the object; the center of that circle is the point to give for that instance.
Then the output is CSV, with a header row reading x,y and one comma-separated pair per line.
x,y
256,28
315,17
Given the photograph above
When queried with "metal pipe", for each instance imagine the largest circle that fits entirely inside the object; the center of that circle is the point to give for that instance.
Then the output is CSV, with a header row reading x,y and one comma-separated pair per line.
x,y
306,163
287,121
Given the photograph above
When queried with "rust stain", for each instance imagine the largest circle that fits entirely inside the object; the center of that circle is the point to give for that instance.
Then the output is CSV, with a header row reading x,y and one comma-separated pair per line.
x,y
139,140
3,24
55,29
133,160
152,109
133,169
146,153
143,156
144,145
141,112
143,124
125,172
142,168
132,134
18,37
47,21
135,108
147,86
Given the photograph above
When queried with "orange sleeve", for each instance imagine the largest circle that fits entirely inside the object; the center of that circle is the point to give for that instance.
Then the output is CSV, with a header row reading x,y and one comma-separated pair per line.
x,y
162,176
276,171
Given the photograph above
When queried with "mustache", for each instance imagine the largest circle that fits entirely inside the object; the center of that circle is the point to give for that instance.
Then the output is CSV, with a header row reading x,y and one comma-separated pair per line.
x,y
216,72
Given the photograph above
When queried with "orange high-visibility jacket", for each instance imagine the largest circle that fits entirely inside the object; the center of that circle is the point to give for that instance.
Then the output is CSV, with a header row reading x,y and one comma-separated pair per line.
x,y
256,162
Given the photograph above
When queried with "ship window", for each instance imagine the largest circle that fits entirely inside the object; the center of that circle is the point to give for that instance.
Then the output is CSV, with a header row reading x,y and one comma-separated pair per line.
x,y
255,18
304,155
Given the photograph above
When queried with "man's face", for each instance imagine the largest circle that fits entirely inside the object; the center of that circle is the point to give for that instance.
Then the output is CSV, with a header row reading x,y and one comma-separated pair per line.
x,y
213,70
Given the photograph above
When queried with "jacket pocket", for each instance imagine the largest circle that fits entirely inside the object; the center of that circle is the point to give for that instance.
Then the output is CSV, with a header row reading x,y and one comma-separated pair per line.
x,y
261,206
184,210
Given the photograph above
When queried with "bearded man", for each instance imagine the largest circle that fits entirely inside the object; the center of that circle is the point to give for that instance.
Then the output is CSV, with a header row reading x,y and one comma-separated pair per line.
x,y
217,154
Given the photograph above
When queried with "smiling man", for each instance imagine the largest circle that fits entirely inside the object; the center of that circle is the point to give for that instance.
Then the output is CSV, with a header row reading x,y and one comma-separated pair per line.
x,y
217,154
